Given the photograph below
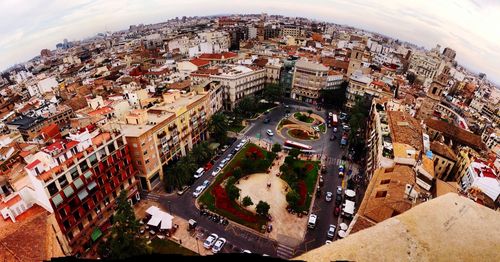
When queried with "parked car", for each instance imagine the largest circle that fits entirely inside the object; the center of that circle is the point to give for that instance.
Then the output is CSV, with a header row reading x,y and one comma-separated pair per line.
x,y
346,127
328,242
210,241
229,156
223,162
311,223
269,132
328,196
246,251
182,190
333,137
338,199
339,190
335,130
331,232
219,244
216,171
199,172
244,141
198,190
336,211
206,183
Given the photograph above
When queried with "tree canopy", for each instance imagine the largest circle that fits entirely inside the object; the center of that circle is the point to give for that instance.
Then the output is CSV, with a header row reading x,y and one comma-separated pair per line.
x,y
262,208
124,241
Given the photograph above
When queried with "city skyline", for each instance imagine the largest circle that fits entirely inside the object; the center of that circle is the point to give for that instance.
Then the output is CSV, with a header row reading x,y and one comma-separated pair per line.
x,y
467,26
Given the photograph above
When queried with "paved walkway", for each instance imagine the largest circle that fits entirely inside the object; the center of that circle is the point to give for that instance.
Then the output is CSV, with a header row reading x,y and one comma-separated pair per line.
x,y
256,187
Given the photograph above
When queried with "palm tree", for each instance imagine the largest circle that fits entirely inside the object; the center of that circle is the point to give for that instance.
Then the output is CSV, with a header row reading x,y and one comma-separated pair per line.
x,y
218,126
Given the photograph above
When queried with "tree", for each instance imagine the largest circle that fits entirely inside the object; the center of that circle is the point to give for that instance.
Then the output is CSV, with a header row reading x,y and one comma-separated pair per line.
x,y
262,208
125,241
411,77
292,198
334,97
218,127
272,92
309,112
201,153
294,152
247,201
232,191
247,106
237,172
276,148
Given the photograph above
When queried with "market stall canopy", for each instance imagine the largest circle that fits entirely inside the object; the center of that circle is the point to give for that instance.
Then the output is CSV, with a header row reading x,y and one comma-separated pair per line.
x,y
152,210
350,193
342,233
343,226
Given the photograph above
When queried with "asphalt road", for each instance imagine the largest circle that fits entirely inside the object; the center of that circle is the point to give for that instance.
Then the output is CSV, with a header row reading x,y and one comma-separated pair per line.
x,y
238,238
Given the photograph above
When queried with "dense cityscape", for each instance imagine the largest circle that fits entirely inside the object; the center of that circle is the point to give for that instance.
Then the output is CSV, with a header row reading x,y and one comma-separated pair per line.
x,y
257,134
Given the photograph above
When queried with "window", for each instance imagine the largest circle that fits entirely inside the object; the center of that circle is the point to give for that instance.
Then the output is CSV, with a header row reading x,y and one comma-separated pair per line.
x,y
381,194
92,185
78,183
62,212
52,188
80,226
68,191
84,166
111,147
92,159
385,181
83,194
77,215
88,174
74,173
63,181
57,200
67,226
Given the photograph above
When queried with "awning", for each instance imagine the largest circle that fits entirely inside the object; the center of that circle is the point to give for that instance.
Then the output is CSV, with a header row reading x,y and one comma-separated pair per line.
x,y
97,233
152,210
350,193
154,221
166,223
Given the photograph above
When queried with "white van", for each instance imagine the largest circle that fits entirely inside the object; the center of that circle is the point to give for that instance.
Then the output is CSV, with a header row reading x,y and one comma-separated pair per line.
x,y
199,172
311,223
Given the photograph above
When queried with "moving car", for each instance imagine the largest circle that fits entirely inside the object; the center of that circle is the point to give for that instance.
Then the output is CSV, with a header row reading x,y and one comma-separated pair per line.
x,y
333,137
269,132
335,130
311,223
246,251
198,190
328,196
331,232
266,120
216,171
182,190
219,244
210,241
199,172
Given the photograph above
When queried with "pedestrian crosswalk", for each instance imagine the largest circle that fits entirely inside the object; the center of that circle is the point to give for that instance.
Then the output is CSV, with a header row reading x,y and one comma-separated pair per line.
x,y
332,161
285,252
151,196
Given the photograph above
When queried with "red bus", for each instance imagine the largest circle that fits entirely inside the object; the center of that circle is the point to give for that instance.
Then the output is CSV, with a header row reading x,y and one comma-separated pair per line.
x,y
297,145
335,120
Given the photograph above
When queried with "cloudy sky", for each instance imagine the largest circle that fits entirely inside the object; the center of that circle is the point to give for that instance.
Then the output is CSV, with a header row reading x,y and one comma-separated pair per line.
x,y
471,27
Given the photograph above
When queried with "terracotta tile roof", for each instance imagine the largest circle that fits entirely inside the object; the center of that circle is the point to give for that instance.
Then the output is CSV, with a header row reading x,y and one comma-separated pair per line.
x,y
455,133
218,56
30,238
33,164
262,62
334,63
443,150
182,85
385,195
101,111
199,62
10,202
405,129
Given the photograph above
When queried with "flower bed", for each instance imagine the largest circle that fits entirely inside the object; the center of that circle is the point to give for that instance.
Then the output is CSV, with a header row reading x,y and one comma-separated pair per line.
x,y
300,134
301,176
215,197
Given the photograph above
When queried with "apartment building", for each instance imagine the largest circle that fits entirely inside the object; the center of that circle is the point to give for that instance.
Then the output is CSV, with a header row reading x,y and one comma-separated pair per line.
x,y
424,66
239,81
394,137
78,179
358,83
29,126
444,159
308,79
168,130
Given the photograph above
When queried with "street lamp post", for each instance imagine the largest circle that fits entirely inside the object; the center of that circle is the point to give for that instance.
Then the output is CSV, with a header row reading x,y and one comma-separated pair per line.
x,y
169,206
197,245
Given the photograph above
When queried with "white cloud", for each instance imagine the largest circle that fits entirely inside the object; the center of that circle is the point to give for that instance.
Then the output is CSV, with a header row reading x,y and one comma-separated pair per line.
x,y
468,26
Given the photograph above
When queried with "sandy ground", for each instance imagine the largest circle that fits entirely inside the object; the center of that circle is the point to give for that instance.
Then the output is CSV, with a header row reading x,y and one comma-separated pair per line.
x,y
255,186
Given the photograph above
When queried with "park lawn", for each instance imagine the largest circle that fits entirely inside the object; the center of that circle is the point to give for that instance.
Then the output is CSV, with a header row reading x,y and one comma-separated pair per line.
x,y
307,119
165,246
322,128
309,181
208,198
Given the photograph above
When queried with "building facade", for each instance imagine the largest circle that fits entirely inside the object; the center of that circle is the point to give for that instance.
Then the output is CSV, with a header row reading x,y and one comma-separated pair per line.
x,y
309,79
